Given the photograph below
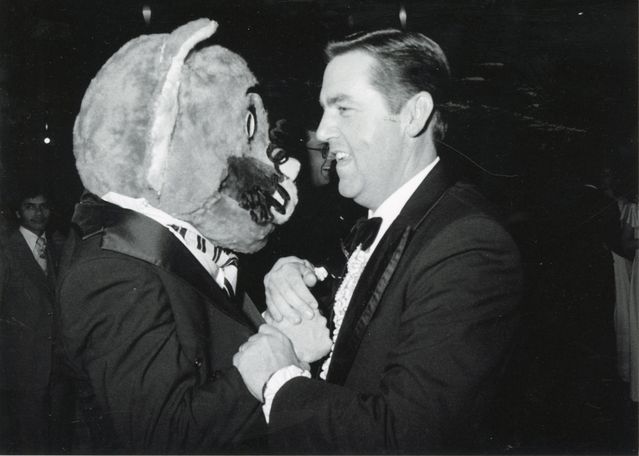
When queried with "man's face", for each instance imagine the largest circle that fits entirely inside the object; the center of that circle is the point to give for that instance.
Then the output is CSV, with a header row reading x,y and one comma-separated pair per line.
x,y
320,168
34,213
363,135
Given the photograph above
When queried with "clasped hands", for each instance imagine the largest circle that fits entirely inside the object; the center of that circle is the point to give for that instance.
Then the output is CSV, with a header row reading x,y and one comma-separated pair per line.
x,y
295,332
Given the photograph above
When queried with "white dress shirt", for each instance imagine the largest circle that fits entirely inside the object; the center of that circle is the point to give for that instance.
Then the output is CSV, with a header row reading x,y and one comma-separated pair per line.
x,y
215,261
32,239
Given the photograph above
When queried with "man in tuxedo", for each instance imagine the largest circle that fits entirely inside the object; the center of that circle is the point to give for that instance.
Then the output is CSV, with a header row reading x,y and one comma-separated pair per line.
x,y
28,266
424,320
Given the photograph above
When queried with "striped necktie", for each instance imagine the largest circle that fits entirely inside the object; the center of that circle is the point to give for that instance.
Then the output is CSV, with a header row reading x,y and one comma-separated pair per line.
x,y
222,263
41,252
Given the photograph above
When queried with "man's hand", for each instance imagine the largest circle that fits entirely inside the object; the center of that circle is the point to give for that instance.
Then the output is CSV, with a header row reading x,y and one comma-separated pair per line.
x,y
311,339
262,355
287,290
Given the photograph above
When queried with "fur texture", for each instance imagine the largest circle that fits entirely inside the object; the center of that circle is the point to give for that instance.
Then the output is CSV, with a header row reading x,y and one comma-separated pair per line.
x,y
201,157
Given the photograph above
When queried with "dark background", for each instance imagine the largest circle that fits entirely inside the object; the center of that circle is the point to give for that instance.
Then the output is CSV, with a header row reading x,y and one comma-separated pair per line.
x,y
545,93
544,87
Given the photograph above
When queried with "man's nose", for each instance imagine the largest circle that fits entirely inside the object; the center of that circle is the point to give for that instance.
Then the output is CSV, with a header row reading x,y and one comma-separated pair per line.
x,y
324,130
42,211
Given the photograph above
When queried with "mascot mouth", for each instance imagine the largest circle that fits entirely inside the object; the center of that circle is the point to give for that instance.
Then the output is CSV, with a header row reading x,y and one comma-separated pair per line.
x,y
259,203
268,195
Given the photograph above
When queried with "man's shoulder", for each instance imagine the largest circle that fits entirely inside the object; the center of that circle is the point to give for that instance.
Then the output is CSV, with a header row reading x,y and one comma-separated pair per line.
x,y
469,197
15,244
464,200
13,235
86,253
462,218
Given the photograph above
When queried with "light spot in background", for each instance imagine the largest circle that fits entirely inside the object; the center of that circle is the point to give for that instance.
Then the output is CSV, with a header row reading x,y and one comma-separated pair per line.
x,y
146,14
402,16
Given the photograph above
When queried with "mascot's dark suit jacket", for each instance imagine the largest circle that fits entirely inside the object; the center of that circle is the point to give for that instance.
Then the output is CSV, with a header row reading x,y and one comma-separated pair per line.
x,y
27,297
426,335
150,337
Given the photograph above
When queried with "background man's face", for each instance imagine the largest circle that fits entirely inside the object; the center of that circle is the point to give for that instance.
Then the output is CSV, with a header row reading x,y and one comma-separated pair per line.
x,y
34,213
320,168
362,134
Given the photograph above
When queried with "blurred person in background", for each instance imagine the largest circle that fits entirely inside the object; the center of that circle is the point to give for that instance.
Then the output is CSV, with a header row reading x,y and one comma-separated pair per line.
x,y
28,368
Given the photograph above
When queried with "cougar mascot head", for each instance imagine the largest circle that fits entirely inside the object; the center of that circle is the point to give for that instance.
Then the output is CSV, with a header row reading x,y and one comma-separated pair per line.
x,y
184,128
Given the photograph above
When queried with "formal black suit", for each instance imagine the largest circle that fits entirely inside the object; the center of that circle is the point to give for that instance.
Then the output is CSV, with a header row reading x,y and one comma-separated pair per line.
x,y
424,341
150,338
27,297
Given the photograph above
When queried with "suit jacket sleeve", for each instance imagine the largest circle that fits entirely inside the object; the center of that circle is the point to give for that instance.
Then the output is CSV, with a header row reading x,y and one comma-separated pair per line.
x,y
455,330
120,332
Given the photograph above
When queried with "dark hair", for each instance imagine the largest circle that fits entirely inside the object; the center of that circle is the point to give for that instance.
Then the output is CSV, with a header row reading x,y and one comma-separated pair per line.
x,y
406,63
29,189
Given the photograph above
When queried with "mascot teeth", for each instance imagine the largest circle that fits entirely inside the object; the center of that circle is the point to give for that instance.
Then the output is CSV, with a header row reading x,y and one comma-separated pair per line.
x,y
339,156
290,168
286,191
289,188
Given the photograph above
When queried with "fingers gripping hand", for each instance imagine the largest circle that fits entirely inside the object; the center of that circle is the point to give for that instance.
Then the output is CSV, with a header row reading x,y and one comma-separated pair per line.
x,y
262,355
287,290
311,338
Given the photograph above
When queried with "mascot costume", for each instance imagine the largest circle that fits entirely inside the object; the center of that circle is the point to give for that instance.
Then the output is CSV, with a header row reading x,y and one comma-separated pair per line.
x,y
172,145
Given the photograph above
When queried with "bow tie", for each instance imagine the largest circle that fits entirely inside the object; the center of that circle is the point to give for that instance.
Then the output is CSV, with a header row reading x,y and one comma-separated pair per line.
x,y
363,232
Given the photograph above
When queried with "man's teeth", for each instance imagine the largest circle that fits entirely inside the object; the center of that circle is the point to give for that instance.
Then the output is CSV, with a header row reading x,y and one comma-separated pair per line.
x,y
341,156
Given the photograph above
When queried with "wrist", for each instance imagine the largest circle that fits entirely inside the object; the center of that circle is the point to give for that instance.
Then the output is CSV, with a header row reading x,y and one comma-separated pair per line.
x,y
266,384
276,381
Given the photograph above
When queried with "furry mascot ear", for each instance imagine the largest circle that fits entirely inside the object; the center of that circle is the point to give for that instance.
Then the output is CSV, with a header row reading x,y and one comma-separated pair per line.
x,y
175,50
122,133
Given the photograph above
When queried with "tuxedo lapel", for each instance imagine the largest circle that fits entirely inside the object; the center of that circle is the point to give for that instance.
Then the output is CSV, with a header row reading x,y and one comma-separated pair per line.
x,y
366,297
127,232
379,271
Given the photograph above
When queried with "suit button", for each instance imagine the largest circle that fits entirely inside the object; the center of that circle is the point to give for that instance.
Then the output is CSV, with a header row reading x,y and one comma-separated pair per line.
x,y
49,337
198,362
215,374
49,314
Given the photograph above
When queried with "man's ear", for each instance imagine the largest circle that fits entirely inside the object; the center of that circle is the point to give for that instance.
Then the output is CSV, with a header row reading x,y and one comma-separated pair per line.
x,y
417,112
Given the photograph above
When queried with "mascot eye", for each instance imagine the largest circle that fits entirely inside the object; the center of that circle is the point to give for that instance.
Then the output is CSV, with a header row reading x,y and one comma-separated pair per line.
x,y
251,122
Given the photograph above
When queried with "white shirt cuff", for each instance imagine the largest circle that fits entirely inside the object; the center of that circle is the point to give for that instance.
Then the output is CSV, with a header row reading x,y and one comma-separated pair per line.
x,y
276,381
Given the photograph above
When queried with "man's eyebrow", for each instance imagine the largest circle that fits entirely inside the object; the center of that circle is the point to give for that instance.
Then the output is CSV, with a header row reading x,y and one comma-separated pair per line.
x,y
335,99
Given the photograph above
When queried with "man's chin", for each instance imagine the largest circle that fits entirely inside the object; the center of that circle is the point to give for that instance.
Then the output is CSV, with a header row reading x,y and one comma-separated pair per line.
x,y
346,189
36,229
